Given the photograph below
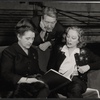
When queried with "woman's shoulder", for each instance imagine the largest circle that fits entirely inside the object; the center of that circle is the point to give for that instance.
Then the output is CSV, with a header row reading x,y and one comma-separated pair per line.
x,y
10,49
86,51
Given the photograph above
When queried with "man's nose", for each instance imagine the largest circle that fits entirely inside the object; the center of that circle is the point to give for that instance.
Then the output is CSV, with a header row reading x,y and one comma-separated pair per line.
x,y
49,25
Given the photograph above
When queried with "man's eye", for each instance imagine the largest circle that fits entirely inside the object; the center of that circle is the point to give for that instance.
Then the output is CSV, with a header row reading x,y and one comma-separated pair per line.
x,y
53,22
46,22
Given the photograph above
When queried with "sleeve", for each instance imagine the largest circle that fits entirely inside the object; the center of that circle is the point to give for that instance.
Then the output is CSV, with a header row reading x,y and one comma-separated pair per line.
x,y
55,58
36,22
7,67
94,61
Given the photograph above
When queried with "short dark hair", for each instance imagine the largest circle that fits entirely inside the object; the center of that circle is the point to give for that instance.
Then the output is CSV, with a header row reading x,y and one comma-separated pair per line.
x,y
82,40
23,25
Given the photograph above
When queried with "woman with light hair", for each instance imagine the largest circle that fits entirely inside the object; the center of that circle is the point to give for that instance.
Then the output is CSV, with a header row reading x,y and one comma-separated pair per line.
x,y
74,61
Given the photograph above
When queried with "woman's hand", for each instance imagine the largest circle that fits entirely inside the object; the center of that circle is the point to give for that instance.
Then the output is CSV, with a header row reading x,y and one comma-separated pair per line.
x,y
83,69
29,80
33,80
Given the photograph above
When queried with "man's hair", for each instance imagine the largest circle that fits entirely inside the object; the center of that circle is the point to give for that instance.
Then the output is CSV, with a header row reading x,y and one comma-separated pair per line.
x,y
52,12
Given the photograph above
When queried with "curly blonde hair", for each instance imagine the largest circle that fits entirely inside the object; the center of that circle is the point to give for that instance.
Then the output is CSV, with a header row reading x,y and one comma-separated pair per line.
x,y
82,40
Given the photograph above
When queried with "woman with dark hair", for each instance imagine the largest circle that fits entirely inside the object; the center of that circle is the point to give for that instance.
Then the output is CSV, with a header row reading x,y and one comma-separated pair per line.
x,y
19,64
73,62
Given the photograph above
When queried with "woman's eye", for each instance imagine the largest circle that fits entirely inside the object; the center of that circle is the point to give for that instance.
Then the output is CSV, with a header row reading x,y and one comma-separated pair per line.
x,y
27,38
67,36
73,37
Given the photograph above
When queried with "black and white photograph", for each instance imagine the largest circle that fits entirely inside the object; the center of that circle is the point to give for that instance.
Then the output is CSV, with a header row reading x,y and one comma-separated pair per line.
x,y
50,49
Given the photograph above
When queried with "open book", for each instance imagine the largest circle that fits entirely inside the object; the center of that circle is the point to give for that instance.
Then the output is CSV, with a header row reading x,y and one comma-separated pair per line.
x,y
54,79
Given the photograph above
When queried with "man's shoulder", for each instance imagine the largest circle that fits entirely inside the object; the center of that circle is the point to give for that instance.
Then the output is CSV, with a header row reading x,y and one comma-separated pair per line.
x,y
59,27
36,17
36,20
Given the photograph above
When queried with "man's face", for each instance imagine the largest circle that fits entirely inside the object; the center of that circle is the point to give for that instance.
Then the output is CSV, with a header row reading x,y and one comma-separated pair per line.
x,y
27,39
49,22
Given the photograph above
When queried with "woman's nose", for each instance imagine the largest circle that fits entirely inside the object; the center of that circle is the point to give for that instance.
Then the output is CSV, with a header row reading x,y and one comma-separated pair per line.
x,y
69,39
31,41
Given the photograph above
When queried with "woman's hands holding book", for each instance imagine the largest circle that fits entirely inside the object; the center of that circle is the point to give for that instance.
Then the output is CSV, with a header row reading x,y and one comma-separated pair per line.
x,y
29,80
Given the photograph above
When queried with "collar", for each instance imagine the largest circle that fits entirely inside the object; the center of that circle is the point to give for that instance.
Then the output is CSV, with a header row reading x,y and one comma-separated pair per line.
x,y
65,50
19,49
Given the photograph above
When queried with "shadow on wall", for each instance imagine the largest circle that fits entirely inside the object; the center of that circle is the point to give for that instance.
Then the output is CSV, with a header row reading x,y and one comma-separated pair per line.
x,y
7,40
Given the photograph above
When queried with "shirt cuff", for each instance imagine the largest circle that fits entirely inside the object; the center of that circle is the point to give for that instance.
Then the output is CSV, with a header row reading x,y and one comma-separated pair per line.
x,y
88,67
22,80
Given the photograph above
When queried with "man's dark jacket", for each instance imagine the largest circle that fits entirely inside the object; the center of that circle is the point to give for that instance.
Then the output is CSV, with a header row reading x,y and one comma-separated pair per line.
x,y
55,37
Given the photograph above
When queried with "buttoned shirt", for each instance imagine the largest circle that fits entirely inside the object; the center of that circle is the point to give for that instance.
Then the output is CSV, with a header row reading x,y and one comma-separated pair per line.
x,y
68,67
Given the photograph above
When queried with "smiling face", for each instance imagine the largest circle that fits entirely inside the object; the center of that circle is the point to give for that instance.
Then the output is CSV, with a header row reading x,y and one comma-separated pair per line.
x,y
72,38
26,39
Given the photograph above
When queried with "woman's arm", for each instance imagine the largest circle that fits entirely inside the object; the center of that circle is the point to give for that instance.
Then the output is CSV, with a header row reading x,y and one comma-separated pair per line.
x,y
93,63
7,66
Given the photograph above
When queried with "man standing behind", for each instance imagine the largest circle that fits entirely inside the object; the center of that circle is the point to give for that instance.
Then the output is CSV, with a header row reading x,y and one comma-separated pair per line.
x,y
49,35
